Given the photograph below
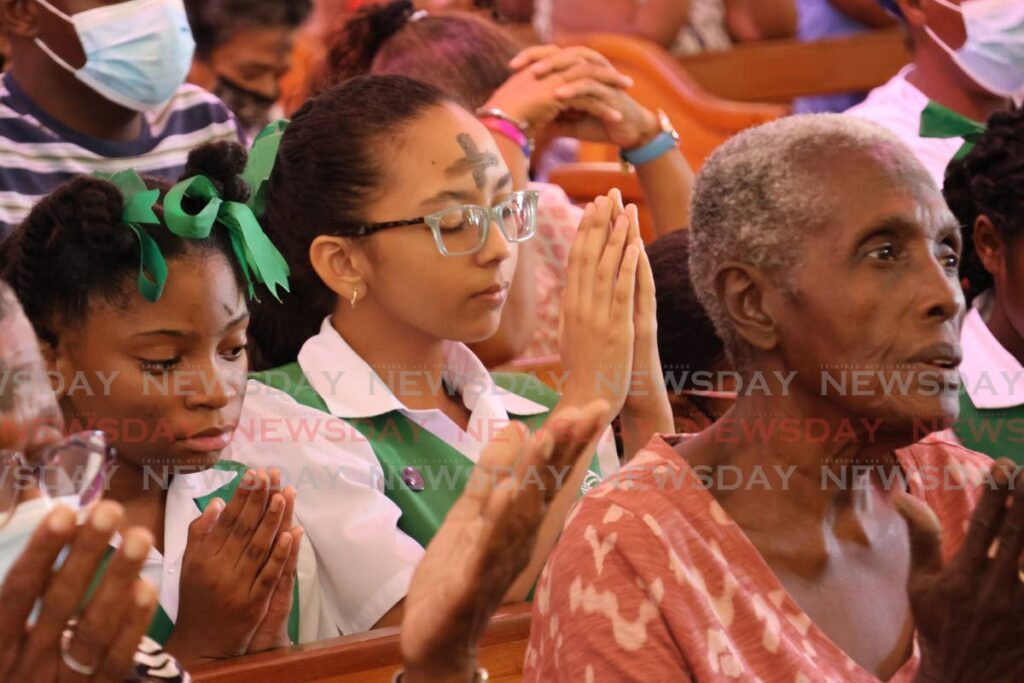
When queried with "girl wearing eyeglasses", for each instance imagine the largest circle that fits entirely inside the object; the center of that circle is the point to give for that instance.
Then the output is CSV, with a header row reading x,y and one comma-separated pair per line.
x,y
401,228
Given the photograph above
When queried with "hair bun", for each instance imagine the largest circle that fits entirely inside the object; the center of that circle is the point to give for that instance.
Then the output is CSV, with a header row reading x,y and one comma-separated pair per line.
x,y
387,20
223,163
356,44
88,211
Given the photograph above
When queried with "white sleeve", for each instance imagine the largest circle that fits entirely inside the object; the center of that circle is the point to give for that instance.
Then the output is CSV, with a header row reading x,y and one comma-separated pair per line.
x,y
608,454
364,562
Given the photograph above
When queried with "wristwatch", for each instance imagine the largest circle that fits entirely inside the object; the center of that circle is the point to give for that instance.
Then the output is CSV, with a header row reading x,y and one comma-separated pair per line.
x,y
663,142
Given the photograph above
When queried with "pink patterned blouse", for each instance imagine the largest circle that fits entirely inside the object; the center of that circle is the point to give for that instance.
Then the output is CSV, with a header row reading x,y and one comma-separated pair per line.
x,y
557,221
649,584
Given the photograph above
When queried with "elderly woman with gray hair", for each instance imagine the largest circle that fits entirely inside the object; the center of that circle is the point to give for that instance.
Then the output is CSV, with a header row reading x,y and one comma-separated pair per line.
x,y
824,529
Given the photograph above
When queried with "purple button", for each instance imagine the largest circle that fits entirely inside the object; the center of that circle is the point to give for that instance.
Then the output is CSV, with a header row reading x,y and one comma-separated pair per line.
x,y
413,479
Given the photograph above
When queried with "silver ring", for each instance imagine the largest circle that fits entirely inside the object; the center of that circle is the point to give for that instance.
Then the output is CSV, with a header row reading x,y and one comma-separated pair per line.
x,y
65,652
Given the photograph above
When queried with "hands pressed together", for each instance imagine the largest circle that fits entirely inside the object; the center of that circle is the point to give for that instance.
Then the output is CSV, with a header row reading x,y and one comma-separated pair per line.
x,y
609,334
574,92
236,593
238,573
110,622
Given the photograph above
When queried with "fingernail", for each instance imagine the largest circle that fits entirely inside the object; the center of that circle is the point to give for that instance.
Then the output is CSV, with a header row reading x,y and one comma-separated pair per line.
x,y
136,544
276,504
104,518
144,594
286,541
61,520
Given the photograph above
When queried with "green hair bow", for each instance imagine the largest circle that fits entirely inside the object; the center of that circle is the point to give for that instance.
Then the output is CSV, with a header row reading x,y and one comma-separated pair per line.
x,y
259,259
262,157
941,122
138,211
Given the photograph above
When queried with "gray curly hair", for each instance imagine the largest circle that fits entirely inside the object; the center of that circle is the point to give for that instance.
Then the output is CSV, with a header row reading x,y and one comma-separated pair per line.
x,y
761,193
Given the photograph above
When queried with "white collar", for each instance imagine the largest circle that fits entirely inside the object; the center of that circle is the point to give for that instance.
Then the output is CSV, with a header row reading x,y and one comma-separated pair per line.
x,y
992,377
180,512
351,388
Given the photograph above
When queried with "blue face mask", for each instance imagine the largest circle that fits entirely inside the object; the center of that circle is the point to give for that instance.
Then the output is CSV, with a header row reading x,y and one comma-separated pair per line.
x,y
137,53
993,56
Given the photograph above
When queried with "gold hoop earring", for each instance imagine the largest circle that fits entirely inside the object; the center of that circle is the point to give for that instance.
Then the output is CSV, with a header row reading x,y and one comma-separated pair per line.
x,y
355,295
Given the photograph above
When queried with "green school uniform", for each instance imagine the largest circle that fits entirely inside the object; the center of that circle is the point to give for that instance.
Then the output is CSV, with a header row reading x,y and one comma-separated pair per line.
x,y
161,628
997,432
991,419
423,475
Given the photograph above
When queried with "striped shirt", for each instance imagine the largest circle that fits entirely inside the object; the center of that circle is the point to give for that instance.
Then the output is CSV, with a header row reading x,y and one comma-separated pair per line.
x,y
38,153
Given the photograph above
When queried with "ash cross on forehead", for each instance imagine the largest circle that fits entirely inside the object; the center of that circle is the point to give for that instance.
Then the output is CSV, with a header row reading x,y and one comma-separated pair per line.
x,y
476,161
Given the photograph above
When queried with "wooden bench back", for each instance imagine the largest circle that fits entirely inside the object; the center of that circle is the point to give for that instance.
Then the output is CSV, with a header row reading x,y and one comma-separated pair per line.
x,y
779,71
370,657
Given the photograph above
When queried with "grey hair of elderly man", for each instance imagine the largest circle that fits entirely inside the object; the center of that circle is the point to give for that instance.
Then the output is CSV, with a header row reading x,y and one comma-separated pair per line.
x,y
765,190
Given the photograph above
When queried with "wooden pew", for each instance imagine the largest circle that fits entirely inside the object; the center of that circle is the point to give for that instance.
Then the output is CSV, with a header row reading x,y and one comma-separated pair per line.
x,y
703,120
779,71
370,657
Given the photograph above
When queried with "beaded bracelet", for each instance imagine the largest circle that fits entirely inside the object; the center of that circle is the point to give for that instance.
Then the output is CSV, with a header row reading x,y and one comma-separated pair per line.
x,y
503,127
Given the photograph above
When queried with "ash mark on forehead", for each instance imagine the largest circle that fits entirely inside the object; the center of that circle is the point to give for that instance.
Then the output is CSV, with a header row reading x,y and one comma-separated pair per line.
x,y
476,162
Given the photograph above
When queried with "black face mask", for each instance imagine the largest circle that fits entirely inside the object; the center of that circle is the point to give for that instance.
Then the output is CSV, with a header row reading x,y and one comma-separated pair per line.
x,y
250,107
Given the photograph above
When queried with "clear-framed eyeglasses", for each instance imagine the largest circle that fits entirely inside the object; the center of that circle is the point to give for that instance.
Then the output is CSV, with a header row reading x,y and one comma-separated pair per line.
x,y
76,467
463,230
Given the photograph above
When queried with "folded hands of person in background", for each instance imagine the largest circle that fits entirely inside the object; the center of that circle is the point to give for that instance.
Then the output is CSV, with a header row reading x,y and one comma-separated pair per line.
x,y
103,642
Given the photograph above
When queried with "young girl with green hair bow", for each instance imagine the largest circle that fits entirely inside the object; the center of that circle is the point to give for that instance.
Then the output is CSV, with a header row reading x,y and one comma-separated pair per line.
x,y
139,294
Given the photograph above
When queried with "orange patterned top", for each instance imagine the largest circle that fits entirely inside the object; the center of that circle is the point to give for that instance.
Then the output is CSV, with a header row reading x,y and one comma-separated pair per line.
x,y
649,584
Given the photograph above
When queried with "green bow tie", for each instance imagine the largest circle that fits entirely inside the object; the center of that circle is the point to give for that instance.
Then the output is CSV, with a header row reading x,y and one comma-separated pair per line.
x,y
256,254
941,122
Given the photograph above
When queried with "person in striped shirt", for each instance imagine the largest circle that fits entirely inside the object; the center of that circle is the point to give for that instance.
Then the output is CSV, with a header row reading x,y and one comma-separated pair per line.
x,y
97,85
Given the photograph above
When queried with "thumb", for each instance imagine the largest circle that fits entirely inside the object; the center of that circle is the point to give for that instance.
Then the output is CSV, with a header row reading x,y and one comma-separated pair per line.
x,y
925,535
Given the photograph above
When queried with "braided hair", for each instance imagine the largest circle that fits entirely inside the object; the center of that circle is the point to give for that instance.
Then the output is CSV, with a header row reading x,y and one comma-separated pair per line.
x,y
989,182
73,250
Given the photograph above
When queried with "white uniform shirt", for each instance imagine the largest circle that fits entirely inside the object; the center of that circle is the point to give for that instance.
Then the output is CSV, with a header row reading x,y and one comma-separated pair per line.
x,y
164,570
365,561
992,376
897,105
